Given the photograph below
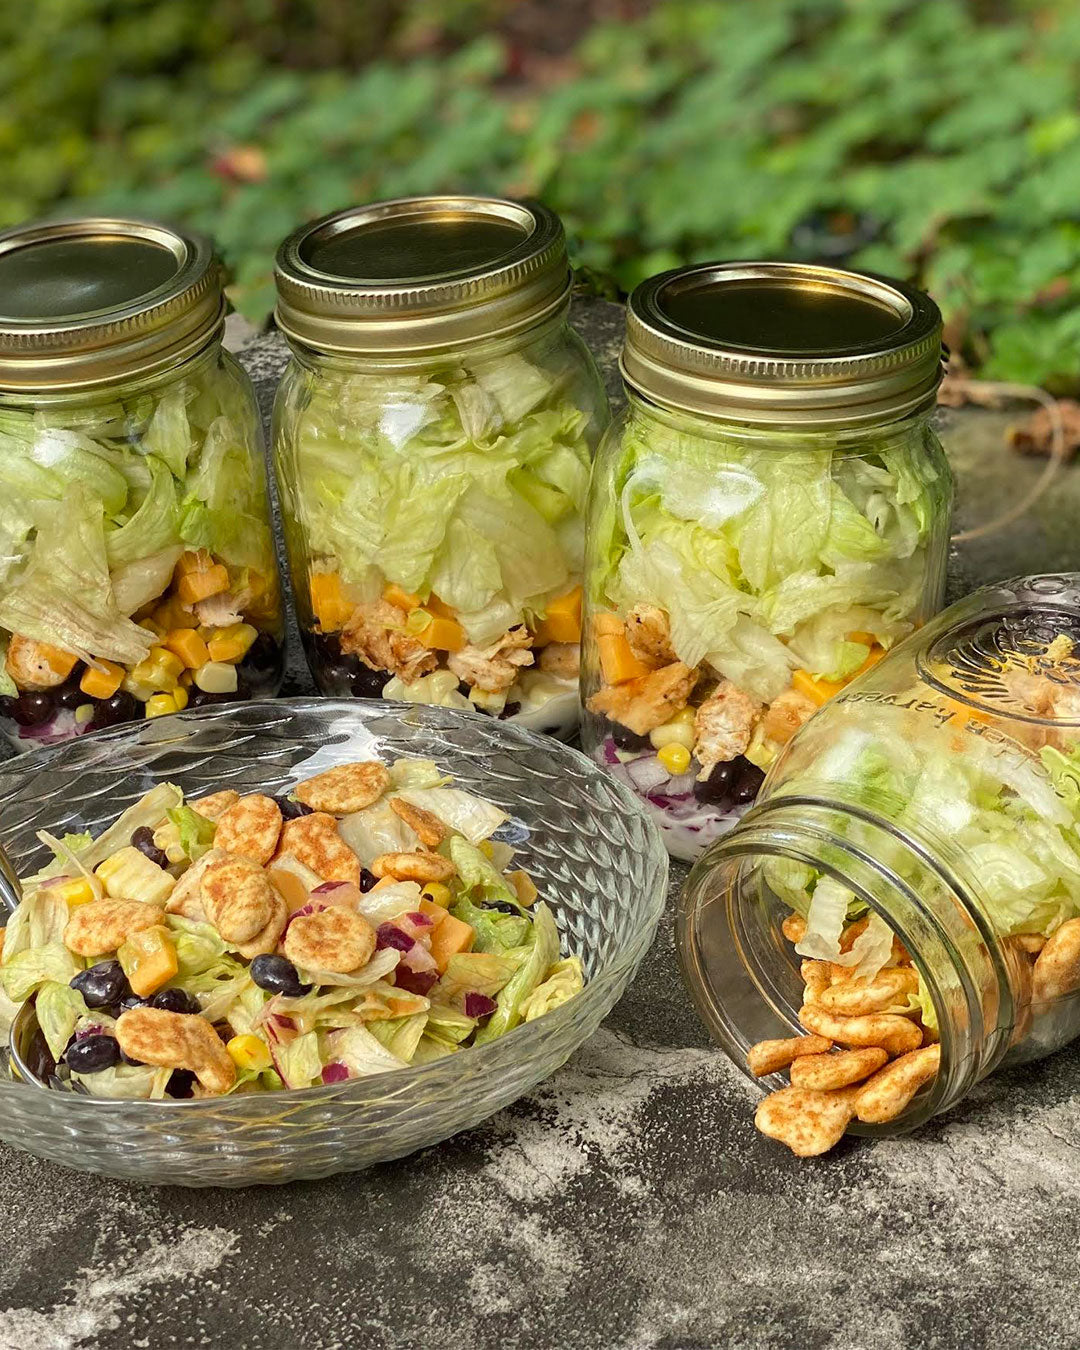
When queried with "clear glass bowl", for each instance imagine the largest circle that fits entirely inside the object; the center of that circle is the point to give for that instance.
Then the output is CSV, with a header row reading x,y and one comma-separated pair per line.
x,y
596,858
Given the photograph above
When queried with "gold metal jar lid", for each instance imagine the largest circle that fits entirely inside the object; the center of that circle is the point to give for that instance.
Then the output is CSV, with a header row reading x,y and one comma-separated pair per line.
x,y
774,343
97,301
420,274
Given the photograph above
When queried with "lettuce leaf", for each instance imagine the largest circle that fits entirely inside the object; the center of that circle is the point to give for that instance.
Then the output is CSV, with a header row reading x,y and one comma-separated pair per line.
x,y
196,832
126,1082
153,527
36,966
58,1008
64,594
563,980
361,1052
299,1061
495,931
537,959
39,920
481,881
462,811
400,1035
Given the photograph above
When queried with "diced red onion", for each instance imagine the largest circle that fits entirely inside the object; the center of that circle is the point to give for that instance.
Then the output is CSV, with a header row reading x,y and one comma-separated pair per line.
x,y
335,1073
415,981
390,935
420,920
647,773
299,913
418,958
479,1005
86,1032
610,751
338,892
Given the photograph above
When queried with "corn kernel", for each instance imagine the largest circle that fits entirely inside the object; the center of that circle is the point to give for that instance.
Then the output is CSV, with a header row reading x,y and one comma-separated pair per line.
x,y
673,733
138,688
216,677
180,697
232,643
77,892
84,713
674,757
160,705
167,663
686,715
249,1052
437,893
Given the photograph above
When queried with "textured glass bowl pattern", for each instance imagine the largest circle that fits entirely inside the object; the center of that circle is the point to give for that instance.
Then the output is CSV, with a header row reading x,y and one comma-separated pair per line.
x,y
595,856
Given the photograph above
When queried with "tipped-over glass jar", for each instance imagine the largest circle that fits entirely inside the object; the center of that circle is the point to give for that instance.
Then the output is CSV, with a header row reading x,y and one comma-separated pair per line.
x,y
433,437
137,566
908,885
767,518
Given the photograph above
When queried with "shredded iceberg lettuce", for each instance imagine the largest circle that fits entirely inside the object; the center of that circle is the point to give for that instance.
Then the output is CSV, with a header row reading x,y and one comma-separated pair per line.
x,y
98,502
743,546
458,482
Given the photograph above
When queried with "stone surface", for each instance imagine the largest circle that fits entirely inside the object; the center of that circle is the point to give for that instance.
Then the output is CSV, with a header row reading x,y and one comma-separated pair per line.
x,y
628,1201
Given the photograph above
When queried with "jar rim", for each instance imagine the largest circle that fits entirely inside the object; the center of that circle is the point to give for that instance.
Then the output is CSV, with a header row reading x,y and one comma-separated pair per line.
x,y
780,343
94,300
416,274
972,1045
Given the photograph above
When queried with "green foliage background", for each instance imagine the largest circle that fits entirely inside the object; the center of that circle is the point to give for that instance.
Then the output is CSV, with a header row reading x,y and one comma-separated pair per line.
x,y
934,139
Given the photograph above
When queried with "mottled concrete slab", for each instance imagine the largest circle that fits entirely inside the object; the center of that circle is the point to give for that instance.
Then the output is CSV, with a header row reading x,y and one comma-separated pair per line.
x,y
627,1202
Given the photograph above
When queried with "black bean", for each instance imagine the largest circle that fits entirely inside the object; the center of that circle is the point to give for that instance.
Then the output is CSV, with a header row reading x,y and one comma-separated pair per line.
x,y
625,739
175,1001
143,840
278,975
32,708
102,985
92,1054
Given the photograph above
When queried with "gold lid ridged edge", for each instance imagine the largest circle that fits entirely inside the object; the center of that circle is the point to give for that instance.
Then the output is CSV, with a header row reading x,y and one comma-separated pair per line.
x,y
708,378
135,339
349,315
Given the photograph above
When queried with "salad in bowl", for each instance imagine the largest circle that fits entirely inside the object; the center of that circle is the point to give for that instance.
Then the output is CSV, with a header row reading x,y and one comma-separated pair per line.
x,y
369,919
591,852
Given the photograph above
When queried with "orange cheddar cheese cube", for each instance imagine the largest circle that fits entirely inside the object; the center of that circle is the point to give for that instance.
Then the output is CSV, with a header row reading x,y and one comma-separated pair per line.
x,y
444,635
329,602
562,618
195,586
149,960
102,683
451,937
617,661
604,623
820,691
188,646
403,599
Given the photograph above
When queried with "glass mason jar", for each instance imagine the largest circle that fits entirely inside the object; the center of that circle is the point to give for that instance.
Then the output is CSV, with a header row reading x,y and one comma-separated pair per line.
x,y
433,436
766,519
137,566
936,801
